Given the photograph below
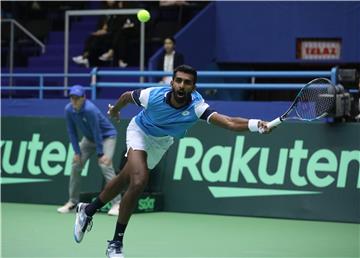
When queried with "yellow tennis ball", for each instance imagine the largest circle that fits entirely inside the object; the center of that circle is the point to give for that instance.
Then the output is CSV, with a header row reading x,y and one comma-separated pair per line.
x,y
143,15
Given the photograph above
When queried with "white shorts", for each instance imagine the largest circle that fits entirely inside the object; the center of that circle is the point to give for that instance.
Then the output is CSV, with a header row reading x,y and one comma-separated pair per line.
x,y
155,147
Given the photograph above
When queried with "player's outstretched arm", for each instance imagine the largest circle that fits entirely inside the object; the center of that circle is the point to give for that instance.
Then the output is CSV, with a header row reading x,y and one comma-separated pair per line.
x,y
124,99
238,123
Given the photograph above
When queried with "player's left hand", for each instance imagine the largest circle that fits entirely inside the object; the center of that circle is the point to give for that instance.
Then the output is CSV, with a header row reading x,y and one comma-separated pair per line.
x,y
263,129
113,113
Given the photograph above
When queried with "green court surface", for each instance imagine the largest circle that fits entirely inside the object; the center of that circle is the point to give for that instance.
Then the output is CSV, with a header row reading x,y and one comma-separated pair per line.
x,y
39,231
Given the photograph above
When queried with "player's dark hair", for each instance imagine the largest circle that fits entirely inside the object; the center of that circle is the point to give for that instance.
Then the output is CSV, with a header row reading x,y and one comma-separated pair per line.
x,y
172,39
186,69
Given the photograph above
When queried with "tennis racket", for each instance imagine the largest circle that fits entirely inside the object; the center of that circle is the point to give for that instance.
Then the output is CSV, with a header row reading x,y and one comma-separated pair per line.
x,y
314,101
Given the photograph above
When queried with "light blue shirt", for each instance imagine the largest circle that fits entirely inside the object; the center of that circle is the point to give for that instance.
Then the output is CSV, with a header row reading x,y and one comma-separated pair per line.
x,y
159,118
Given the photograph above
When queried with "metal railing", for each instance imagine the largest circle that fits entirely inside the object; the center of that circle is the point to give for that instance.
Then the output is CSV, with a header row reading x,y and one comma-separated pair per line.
x,y
95,83
96,13
41,77
28,33
222,74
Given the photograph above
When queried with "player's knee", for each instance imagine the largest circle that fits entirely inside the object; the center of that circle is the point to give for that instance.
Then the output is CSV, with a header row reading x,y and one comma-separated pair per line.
x,y
138,184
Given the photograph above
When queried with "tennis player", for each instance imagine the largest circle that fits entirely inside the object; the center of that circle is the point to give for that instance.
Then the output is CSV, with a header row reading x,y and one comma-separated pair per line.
x,y
168,112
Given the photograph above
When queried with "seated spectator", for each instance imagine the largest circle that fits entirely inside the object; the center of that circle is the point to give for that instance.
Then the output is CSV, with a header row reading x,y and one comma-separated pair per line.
x,y
125,29
101,40
95,41
169,59
119,46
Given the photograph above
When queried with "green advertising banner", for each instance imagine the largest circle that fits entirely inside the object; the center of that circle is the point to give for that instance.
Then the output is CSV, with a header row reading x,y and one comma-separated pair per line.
x,y
36,157
301,170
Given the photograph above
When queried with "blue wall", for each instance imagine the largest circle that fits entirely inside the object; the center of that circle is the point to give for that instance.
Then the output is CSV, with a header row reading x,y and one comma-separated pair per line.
x,y
267,32
196,41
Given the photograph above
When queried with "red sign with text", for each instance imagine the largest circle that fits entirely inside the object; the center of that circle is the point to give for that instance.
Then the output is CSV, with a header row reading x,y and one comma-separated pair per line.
x,y
319,49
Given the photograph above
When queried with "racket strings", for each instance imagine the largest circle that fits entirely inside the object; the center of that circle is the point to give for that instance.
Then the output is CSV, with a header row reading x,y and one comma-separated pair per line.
x,y
315,100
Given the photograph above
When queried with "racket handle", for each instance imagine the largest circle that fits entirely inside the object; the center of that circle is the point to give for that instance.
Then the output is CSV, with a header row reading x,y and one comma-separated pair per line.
x,y
274,122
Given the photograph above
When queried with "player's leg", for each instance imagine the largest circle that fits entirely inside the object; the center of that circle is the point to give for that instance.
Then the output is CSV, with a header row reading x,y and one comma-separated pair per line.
x,y
84,211
155,148
135,176
108,171
75,177
139,176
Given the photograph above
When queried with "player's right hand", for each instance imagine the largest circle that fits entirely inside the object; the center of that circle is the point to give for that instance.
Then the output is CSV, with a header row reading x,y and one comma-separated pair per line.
x,y
263,128
113,113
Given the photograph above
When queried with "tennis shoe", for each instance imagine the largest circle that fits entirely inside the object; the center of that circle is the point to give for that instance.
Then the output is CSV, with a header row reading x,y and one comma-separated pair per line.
x,y
68,207
114,249
80,60
106,57
122,64
114,211
83,222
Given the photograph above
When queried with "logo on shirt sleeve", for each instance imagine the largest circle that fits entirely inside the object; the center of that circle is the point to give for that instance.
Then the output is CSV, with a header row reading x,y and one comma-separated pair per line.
x,y
185,113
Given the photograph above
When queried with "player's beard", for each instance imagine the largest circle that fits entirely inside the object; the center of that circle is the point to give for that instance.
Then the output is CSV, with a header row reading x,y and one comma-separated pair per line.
x,y
181,97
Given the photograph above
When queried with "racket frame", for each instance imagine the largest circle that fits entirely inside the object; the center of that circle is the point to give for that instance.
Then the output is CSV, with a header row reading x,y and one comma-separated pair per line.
x,y
283,117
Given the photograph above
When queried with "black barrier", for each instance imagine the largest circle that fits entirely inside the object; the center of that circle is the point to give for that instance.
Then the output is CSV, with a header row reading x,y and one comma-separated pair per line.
x,y
301,170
